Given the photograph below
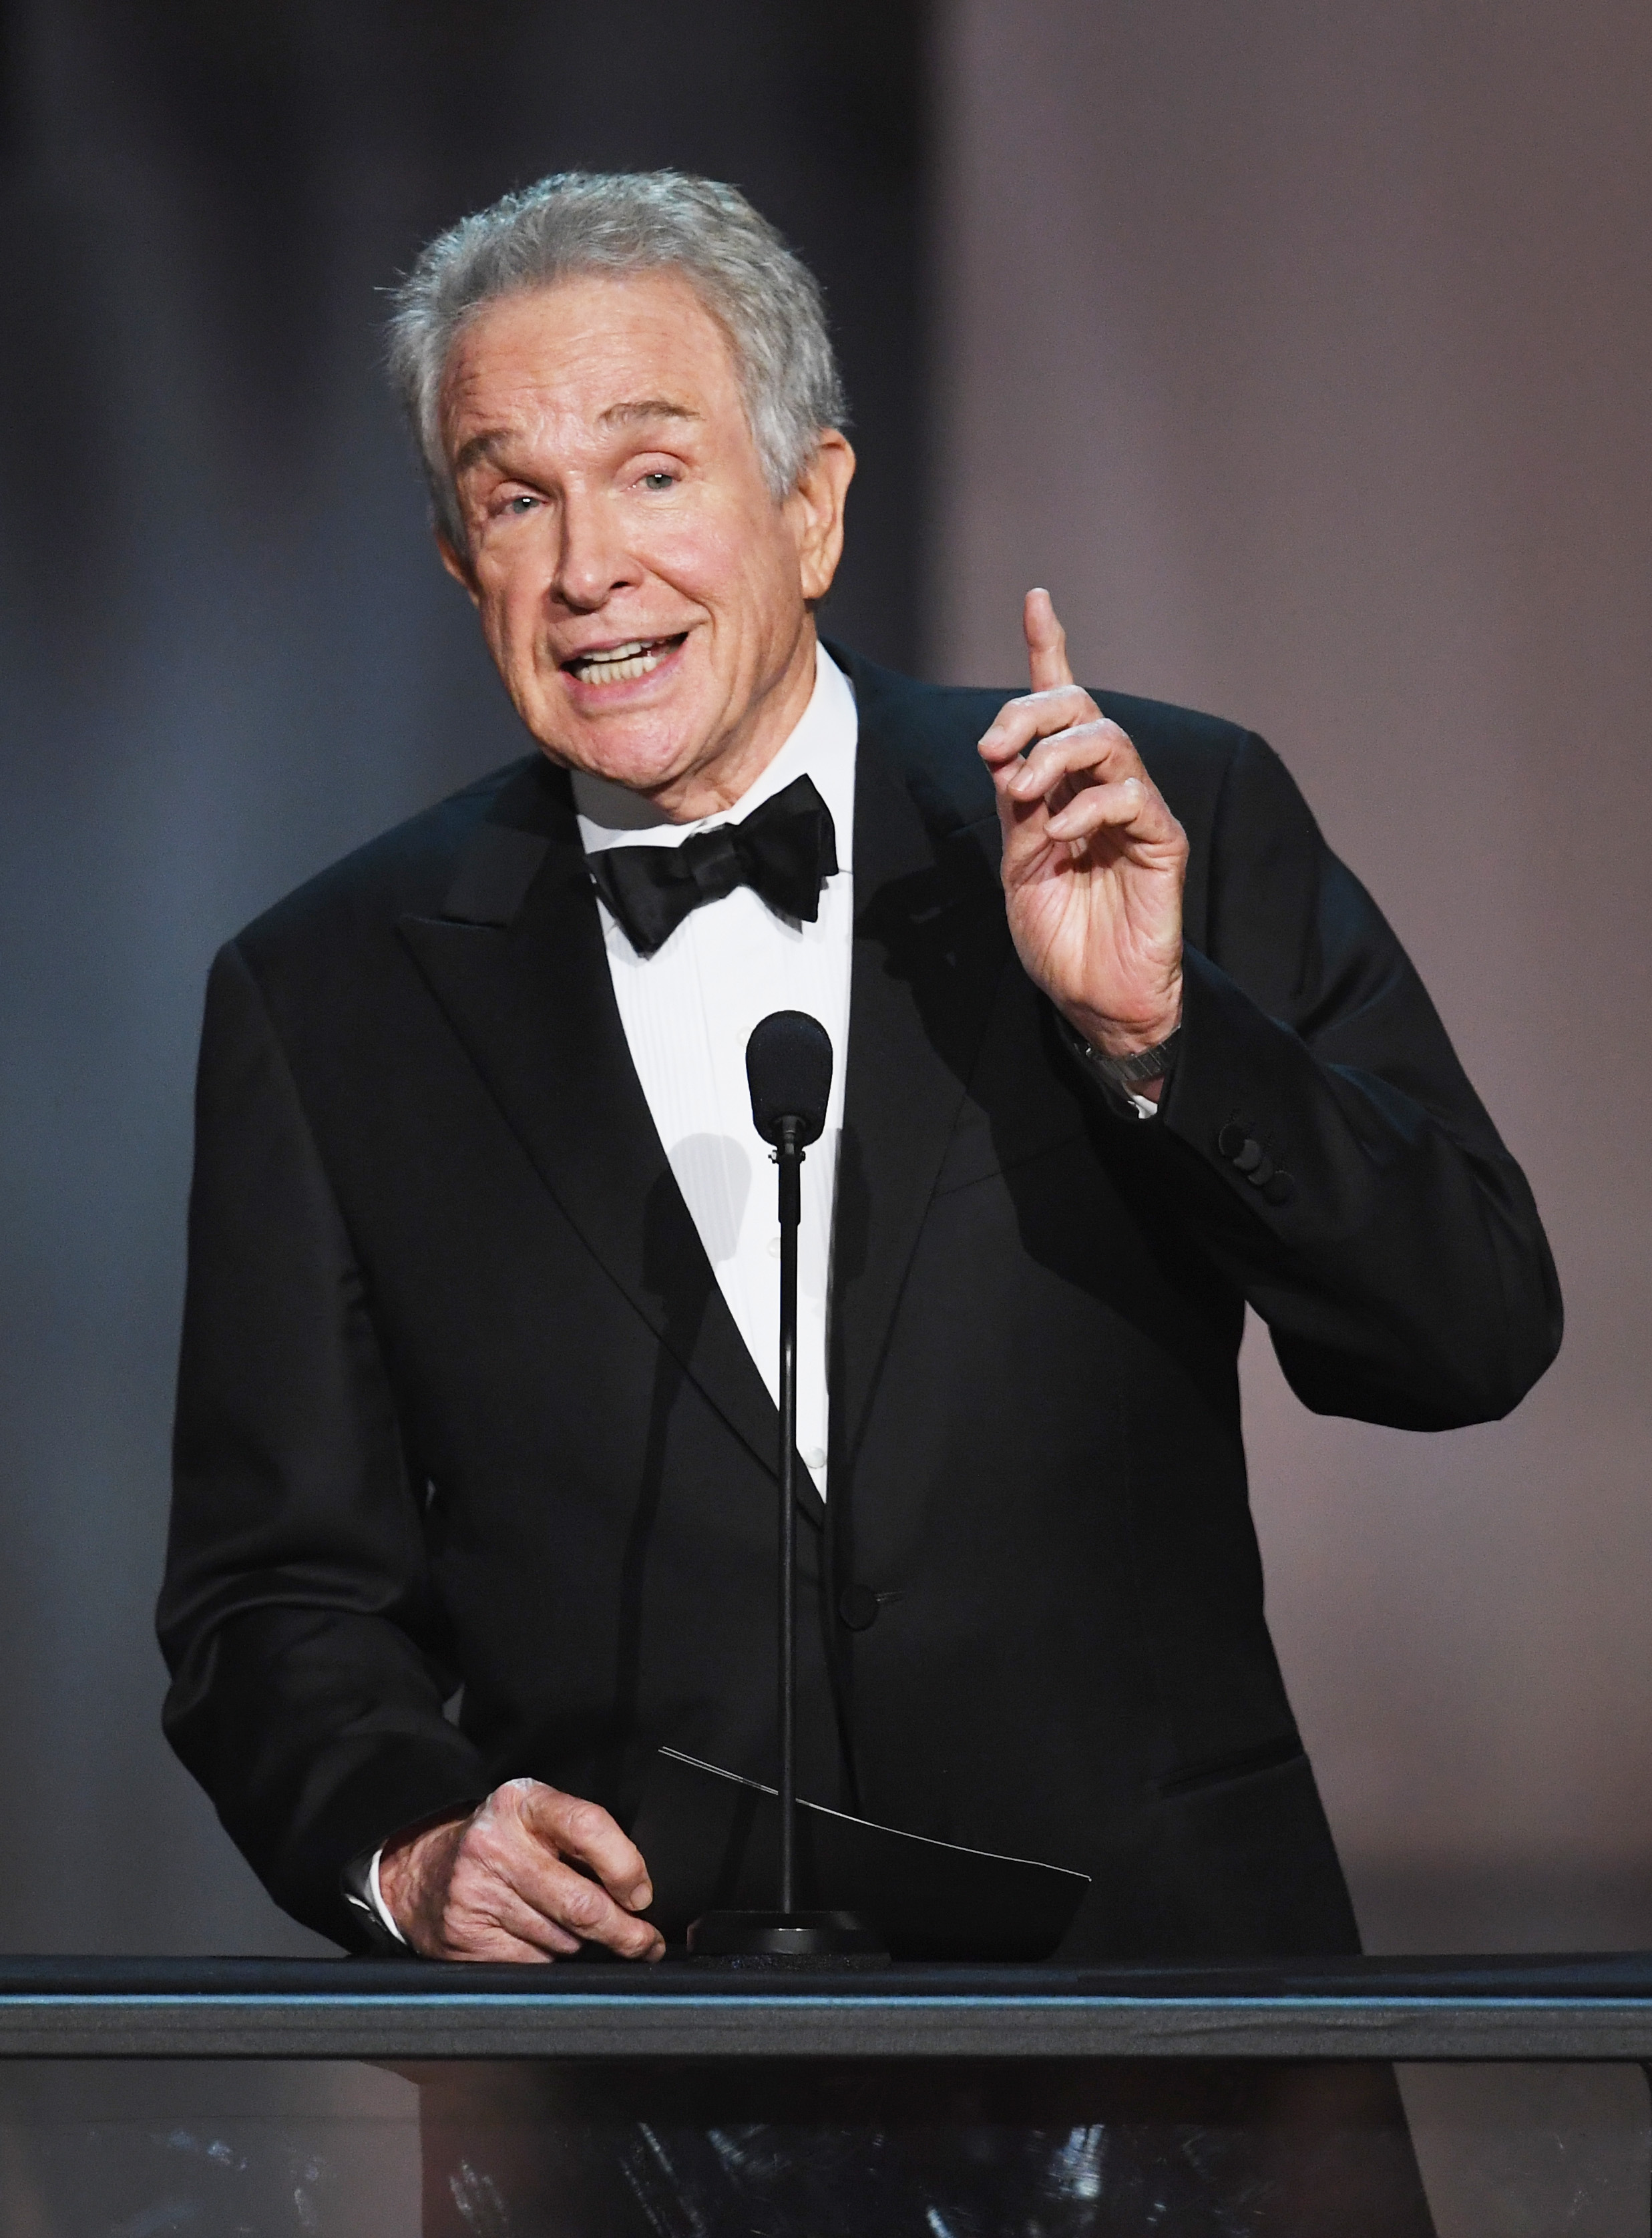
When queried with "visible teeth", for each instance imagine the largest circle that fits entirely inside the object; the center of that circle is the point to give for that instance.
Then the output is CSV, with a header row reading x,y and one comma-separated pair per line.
x,y
621,663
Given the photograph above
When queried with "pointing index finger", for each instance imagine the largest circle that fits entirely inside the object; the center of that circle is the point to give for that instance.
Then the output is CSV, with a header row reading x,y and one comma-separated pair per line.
x,y
1047,642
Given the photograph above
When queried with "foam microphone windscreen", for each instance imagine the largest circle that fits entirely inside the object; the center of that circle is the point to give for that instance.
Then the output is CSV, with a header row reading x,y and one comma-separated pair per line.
x,y
788,1070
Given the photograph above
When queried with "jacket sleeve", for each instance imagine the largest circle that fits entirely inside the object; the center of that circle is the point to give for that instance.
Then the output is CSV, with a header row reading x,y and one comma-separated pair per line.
x,y
1321,1136
297,1617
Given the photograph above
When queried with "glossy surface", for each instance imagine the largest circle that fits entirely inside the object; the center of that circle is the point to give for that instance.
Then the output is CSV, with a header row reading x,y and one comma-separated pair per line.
x,y
1028,2149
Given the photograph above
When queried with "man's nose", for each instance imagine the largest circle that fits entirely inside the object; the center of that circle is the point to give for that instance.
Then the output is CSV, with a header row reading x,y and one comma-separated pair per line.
x,y
593,562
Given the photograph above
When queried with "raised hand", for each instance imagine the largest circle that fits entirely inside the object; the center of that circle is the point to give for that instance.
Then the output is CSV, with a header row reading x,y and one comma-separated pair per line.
x,y
530,1875
1094,862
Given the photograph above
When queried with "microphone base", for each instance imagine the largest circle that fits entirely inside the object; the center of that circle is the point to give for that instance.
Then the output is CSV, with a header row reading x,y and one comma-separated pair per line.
x,y
841,1941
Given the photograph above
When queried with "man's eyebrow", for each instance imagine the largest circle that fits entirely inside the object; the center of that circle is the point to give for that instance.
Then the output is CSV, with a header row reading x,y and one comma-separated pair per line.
x,y
480,447
484,446
645,407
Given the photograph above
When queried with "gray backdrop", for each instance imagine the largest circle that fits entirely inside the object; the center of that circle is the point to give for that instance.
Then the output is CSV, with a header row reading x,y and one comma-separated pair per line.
x,y
1306,353
1303,350
228,654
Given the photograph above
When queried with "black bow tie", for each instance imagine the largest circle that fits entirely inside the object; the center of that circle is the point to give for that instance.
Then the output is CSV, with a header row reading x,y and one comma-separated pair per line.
x,y
785,850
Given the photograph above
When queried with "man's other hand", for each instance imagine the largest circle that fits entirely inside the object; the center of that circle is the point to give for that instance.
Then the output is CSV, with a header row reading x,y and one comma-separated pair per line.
x,y
1093,860
529,1876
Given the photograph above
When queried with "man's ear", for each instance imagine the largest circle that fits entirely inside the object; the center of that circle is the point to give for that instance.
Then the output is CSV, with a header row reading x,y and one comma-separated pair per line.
x,y
456,566
816,507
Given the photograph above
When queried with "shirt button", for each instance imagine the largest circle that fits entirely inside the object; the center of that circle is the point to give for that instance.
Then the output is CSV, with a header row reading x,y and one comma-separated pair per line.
x,y
774,1247
815,1457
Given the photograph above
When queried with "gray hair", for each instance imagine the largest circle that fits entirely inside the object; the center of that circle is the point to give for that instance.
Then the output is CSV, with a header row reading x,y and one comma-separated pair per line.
x,y
767,301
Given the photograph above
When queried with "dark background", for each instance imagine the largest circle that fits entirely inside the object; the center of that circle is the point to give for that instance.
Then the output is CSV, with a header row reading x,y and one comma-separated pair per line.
x,y
1304,350
228,654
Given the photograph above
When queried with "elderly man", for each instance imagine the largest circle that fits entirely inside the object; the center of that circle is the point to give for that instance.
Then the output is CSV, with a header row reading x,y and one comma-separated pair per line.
x,y
475,1496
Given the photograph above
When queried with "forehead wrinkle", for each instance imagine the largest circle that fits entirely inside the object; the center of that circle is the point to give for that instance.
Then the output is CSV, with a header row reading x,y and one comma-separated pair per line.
x,y
485,447
644,408
524,424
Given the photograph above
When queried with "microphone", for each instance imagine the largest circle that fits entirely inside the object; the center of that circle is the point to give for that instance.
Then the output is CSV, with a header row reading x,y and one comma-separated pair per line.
x,y
788,1070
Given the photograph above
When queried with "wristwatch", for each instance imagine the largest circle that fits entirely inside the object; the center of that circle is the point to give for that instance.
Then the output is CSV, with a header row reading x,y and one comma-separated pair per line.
x,y
1126,1074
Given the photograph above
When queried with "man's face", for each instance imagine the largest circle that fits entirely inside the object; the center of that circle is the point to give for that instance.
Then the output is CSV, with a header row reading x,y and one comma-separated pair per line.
x,y
645,597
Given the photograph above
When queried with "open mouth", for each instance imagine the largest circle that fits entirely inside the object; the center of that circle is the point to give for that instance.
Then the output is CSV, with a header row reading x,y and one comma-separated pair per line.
x,y
623,663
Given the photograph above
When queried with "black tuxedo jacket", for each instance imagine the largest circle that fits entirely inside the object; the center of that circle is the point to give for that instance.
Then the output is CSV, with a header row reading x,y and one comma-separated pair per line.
x,y
461,1406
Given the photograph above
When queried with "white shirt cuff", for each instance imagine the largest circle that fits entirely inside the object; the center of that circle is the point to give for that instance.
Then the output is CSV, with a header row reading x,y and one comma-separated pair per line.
x,y
376,1894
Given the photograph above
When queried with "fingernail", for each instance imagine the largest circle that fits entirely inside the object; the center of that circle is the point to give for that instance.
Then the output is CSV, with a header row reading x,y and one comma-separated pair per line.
x,y
641,1896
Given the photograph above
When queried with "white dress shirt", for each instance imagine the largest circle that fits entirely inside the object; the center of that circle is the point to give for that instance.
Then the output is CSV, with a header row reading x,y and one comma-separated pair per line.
x,y
689,1011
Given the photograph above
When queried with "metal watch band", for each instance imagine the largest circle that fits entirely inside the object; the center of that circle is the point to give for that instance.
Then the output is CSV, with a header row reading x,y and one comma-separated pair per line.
x,y
1128,1072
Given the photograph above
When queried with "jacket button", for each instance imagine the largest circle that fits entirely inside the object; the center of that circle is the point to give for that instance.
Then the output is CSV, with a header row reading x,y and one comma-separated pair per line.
x,y
1279,1190
858,1607
1231,1141
1262,1172
1249,1156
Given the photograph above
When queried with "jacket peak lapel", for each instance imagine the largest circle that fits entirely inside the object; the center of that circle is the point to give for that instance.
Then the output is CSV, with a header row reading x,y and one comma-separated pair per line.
x,y
930,946
516,963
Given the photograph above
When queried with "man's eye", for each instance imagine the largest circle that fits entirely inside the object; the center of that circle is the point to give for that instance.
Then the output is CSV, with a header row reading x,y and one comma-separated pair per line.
x,y
523,504
660,480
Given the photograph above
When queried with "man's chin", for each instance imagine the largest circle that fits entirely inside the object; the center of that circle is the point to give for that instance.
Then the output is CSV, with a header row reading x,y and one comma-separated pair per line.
x,y
648,765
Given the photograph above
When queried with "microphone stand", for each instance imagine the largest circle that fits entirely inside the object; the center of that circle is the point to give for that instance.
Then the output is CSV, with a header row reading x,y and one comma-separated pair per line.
x,y
787,1937
788,1156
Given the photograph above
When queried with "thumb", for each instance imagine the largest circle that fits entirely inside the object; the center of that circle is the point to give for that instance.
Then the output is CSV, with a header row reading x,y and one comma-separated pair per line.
x,y
1047,642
